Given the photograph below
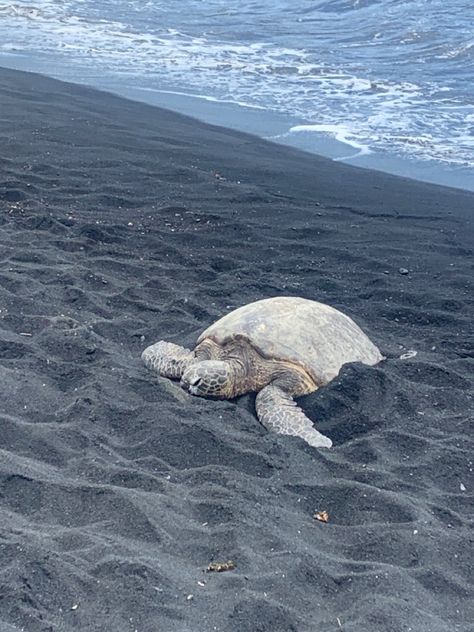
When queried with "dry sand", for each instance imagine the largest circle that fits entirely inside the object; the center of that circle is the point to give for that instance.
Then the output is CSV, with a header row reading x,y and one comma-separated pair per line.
x,y
121,224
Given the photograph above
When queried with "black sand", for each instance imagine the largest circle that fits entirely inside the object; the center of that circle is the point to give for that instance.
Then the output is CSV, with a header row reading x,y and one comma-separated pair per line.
x,y
121,224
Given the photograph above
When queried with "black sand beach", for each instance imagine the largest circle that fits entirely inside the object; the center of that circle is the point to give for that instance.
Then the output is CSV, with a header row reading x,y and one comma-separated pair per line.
x,y
121,224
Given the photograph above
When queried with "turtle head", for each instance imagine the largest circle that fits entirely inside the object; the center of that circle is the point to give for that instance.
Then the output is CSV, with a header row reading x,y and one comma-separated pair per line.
x,y
210,378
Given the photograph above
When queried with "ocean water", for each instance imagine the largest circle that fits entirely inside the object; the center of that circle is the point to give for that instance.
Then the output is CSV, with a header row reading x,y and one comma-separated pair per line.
x,y
387,84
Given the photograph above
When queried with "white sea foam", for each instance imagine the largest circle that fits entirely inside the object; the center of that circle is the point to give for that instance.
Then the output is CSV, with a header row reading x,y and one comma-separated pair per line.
x,y
464,50
204,97
340,132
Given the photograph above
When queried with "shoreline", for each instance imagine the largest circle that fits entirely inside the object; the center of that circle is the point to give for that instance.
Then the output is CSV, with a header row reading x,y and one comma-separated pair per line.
x,y
263,123
276,128
122,224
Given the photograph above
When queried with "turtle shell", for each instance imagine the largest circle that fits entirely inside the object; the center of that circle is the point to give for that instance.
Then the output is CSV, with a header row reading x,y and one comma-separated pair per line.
x,y
318,337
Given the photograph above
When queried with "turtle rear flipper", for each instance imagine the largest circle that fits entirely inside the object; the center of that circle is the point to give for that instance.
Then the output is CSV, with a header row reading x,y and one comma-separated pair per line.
x,y
278,412
167,359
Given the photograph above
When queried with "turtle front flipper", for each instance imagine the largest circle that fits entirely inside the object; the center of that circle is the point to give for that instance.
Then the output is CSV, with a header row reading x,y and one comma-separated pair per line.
x,y
167,359
278,412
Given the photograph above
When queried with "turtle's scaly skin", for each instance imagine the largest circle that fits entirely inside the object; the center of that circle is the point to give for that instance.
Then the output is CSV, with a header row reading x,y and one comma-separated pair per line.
x,y
167,359
281,347
278,412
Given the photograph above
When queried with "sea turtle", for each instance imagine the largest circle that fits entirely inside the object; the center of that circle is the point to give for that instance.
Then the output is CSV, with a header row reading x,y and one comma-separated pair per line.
x,y
281,347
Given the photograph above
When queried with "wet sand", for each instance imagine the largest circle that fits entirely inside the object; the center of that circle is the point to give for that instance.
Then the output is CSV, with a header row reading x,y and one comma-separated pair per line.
x,y
121,224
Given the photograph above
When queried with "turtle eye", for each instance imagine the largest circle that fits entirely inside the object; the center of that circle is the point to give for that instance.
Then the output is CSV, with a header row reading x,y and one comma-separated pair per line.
x,y
195,381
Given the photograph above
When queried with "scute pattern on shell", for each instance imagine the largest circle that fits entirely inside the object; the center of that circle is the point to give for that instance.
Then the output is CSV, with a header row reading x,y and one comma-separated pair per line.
x,y
316,336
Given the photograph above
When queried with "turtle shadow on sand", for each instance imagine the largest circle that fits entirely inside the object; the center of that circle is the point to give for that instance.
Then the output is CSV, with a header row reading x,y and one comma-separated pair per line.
x,y
280,348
